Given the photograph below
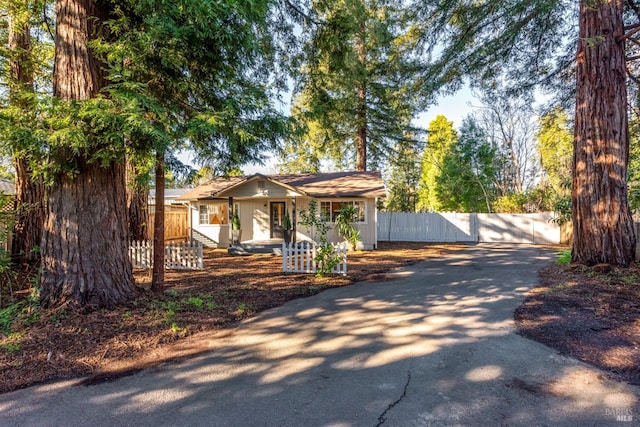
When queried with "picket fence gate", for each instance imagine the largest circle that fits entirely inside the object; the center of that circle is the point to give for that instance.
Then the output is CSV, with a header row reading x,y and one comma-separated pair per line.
x,y
177,255
301,258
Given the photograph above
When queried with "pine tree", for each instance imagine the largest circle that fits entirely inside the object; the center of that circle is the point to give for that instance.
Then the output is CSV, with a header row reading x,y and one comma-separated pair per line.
x,y
403,179
354,96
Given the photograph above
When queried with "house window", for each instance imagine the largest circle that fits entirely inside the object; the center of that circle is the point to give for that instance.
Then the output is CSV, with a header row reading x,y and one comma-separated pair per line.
x,y
214,213
329,210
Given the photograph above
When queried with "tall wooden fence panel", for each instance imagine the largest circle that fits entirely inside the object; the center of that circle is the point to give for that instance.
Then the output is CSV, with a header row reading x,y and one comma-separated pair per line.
x,y
537,228
176,222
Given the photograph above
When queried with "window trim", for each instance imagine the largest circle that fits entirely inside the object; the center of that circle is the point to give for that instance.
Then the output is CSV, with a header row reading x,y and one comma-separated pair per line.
x,y
343,201
224,220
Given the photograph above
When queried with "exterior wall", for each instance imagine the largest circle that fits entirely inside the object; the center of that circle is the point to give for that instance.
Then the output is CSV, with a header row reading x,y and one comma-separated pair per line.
x,y
261,189
254,221
211,235
368,229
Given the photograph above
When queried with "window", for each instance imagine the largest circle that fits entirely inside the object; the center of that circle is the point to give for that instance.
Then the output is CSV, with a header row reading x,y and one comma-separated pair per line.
x,y
214,214
329,210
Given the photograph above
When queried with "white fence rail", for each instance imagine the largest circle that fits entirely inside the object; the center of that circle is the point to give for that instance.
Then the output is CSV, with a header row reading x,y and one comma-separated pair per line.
x,y
177,255
536,228
301,258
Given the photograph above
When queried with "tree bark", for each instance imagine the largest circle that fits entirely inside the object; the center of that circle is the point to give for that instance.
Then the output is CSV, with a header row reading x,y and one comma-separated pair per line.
x,y
30,213
85,258
361,114
30,208
602,221
157,279
137,205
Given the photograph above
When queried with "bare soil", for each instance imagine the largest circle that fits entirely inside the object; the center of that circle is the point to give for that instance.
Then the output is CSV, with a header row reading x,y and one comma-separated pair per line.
x,y
590,315
594,317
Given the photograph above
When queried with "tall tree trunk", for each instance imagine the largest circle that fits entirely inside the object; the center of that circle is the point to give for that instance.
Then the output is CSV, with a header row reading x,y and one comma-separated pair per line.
x,y
137,204
602,222
157,280
29,190
361,114
85,257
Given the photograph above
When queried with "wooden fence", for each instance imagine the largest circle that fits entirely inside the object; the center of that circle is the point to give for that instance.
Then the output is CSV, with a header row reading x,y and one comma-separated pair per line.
x,y
176,222
301,258
536,228
177,255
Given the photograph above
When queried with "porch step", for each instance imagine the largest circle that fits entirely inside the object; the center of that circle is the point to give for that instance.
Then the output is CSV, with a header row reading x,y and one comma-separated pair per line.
x,y
255,248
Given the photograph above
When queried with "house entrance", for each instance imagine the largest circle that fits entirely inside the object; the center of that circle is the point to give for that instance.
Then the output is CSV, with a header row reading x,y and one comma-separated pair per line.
x,y
276,219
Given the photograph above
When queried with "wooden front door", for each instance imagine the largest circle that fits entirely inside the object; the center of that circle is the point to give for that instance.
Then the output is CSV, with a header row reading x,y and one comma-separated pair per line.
x,y
276,218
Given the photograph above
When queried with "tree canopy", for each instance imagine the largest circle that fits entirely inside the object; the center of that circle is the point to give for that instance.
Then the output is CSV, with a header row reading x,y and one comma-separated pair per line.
x,y
354,94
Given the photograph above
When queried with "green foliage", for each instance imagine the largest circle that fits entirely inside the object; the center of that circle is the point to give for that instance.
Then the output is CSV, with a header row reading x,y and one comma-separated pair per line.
x,y
467,181
345,223
314,222
202,73
26,311
536,200
555,144
326,256
286,221
564,258
403,179
235,220
441,138
521,42
355,76
634,157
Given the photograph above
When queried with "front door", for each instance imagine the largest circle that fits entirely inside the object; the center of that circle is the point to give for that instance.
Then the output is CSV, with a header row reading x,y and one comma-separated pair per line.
x,y
277,216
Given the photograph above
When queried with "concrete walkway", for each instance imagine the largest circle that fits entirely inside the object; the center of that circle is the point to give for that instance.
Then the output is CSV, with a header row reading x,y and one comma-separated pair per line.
x,y
433,347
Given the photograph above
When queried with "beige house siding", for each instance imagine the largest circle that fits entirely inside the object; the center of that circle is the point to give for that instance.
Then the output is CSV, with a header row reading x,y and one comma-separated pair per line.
x,y
368,229
254,221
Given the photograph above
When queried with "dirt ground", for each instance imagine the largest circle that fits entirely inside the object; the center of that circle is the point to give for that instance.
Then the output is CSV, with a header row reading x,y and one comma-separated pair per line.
x,y
594,317
590,315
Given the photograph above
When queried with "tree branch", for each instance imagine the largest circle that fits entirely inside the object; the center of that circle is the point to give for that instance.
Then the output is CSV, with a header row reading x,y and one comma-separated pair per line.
x,y
302,13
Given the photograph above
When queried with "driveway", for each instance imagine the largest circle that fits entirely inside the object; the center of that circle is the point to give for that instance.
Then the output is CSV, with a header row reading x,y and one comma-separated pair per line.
x,y
433,346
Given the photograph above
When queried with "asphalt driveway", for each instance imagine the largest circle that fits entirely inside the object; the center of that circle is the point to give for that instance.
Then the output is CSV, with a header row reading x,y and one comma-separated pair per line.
x,y
434,346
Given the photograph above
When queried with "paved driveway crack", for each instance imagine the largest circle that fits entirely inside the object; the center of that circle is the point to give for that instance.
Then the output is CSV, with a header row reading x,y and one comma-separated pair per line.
x,y
383,417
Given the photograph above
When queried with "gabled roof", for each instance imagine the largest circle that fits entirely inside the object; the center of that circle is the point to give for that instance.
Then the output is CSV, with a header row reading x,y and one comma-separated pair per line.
x,y
332,184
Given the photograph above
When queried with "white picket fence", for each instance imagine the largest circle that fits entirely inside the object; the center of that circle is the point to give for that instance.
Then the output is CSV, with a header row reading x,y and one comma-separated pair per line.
x,y
301,258
177,255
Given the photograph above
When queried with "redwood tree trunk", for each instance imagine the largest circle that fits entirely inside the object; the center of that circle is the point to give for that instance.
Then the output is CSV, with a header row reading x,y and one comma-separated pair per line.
x,y
137,205
602,222
30,213
157,280
85,258
85,249
29,191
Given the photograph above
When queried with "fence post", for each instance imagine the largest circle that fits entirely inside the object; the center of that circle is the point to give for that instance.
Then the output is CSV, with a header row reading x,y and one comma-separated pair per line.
x,y
284,257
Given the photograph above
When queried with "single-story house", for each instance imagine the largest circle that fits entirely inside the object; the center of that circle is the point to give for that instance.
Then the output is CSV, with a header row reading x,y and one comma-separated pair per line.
x,y
261,202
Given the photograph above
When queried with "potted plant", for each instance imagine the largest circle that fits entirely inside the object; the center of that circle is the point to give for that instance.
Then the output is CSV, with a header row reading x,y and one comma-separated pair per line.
x,y
236,231
286,227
